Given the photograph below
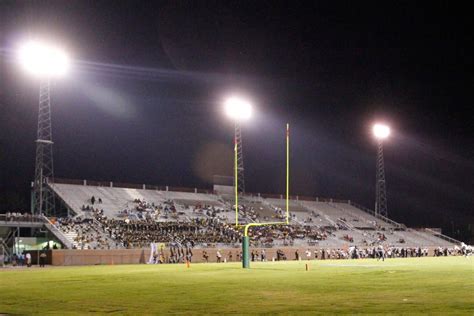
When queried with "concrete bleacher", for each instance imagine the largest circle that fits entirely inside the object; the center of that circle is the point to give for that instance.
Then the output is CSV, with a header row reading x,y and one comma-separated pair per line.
x,y
427,239
264,211
337,217
330,213
293,205
113,199
360,218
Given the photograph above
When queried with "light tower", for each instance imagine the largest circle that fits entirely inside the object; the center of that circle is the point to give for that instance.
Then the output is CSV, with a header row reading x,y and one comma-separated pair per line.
x,y
238,110
45,63
381,132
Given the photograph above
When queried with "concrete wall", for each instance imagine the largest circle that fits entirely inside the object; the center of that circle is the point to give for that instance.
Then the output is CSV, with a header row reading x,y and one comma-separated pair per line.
x,y
135,256
69,257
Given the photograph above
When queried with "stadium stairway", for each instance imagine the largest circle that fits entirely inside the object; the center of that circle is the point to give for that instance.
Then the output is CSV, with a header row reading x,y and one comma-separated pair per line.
x,y
71,236
58,233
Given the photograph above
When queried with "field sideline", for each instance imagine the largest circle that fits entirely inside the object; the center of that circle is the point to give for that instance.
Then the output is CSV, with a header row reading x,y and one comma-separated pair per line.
x,y
411,286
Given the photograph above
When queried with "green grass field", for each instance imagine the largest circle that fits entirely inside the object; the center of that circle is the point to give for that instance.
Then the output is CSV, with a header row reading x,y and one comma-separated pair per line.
x,y
397,286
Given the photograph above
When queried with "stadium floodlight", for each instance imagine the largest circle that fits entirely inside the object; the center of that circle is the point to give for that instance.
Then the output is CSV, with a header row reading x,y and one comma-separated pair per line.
x,y
238,109
43,60
381,131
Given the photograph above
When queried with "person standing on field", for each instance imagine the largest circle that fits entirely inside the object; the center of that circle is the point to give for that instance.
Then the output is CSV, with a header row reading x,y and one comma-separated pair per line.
x,y
42,259
28,259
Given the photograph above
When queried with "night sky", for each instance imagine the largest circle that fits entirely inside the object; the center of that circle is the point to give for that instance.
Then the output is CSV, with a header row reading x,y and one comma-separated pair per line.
x,y
143,100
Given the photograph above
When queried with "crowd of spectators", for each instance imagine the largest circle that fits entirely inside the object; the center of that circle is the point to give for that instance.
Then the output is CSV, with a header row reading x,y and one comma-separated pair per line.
x,y
138,227
206,226
179,253
280,214
285,234
140,233
248,212
356,253
88,233
440,251
209,211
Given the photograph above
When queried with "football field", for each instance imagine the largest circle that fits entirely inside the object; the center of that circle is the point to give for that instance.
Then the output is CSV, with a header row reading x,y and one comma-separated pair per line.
x,y
411,286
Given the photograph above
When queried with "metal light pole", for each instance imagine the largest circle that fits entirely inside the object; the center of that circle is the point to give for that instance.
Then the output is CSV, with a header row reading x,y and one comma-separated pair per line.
x,y
238,110
239,158
44,62
381,132
44,171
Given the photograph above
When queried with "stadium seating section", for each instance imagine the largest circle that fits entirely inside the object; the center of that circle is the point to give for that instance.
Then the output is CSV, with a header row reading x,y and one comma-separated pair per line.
x,y
107,217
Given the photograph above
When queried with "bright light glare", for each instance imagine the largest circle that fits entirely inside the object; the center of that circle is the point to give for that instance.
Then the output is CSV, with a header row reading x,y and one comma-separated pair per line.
x,y
43,60
381,131
238,109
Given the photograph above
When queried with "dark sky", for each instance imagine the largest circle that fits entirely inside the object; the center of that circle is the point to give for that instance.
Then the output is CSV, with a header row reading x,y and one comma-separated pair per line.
x,y
143,100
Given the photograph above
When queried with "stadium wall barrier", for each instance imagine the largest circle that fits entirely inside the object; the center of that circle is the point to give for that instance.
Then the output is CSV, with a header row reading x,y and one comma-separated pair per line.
x,y
68,257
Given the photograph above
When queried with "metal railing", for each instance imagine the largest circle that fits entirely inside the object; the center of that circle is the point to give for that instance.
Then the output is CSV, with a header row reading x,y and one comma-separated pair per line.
x,y
5,253
371,212
66,203
19,217
129,185
56,232
184,189
442,236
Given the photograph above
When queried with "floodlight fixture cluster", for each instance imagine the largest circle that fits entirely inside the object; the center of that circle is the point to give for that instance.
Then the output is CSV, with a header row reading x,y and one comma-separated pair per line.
x,y
381,131
238,109
43,60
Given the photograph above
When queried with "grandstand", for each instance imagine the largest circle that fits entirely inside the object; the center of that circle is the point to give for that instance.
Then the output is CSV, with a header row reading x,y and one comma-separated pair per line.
x,y
93,206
